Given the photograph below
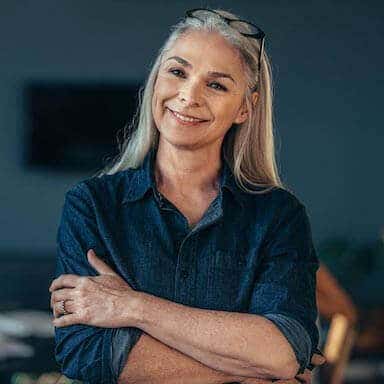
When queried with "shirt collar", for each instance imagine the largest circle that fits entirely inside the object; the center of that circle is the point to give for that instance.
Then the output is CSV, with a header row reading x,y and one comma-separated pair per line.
x,y
142,179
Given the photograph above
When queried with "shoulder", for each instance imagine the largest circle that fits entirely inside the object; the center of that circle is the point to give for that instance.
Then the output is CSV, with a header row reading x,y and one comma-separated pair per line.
x,y
105,189
276,199
272,209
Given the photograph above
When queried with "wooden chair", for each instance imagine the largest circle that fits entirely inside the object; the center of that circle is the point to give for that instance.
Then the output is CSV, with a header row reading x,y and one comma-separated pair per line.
x,y
337,349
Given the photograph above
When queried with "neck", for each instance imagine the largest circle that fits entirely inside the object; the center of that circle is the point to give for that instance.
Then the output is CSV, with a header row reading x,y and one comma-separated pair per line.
x,y
186,171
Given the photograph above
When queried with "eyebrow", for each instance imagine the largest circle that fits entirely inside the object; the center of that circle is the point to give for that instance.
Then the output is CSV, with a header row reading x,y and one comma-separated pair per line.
x,y
215,74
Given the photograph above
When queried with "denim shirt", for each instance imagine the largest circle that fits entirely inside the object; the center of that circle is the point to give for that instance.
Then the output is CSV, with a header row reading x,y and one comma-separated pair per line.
x,y
249,253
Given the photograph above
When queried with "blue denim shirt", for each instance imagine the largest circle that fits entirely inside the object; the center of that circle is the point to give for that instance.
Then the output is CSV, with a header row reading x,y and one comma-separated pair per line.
x,y
250,253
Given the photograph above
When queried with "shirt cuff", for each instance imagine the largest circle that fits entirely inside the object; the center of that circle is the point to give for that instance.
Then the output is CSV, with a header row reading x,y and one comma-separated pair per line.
x,y
123,341
296,335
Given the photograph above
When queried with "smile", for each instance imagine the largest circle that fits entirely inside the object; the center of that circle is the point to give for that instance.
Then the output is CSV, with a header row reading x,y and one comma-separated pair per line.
x,y
185,119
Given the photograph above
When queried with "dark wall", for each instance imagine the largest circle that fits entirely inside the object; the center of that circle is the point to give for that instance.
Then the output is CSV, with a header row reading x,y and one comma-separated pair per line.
x,y
328,64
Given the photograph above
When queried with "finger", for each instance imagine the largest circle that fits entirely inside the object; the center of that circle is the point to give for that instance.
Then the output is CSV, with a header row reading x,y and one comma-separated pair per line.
x,y
98,264
66,320
64,281
318,359
54,311
61,294
304,377
57,311
58,308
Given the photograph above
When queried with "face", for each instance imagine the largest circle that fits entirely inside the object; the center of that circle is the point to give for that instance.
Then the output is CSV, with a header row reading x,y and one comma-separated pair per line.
x,y
199,91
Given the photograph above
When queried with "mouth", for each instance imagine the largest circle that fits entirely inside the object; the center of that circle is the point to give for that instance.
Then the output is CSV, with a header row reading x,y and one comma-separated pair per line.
x,y
185,120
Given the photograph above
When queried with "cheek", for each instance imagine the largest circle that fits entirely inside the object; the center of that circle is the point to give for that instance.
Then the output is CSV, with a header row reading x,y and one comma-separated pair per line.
x,y
154,108
225,112
165,86
156,113
159,96
158,100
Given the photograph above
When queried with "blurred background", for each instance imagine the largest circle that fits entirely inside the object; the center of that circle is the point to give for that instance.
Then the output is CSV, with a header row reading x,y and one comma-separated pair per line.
x,y
69,74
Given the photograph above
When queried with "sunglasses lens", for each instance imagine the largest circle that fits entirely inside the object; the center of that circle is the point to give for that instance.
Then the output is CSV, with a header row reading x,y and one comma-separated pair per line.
x,y
241,26
203,14
246,28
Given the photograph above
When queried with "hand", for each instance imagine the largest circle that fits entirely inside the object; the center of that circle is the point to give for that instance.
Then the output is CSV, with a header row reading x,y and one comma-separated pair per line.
x,y
103,301
316,361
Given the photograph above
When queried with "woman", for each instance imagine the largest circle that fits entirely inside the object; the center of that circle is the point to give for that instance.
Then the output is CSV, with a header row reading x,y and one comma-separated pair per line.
x,y
208,265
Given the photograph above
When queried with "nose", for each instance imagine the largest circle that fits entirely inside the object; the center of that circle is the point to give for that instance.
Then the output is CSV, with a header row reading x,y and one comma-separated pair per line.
x,y
190,94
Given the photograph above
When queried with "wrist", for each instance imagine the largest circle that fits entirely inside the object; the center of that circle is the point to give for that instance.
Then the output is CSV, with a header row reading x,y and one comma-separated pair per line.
x,y
137,308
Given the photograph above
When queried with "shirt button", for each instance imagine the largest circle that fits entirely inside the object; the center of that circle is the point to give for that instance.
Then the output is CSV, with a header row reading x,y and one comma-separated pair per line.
x,y
184,274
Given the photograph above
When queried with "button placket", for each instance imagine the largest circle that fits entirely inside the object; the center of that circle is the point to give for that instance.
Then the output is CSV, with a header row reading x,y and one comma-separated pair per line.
x,y
184,271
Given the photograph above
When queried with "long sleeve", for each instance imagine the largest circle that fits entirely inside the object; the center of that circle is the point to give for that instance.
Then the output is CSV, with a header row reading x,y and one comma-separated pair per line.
x,y
123,342
296,335
87,353
284,291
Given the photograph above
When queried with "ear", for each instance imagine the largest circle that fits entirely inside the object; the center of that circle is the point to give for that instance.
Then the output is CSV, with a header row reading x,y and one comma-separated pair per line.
x,y
242,114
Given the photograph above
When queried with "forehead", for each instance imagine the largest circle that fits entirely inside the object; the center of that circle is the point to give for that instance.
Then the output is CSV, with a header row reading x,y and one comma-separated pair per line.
x,y
209,50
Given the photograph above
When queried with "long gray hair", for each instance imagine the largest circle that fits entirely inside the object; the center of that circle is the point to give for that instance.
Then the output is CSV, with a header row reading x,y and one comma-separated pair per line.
x,y
248,148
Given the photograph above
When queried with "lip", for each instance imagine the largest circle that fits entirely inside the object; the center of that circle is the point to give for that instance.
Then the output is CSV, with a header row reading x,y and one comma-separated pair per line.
x,y
185,122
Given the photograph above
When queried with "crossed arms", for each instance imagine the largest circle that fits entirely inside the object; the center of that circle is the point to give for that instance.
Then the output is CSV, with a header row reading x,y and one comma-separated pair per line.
x,y
164,352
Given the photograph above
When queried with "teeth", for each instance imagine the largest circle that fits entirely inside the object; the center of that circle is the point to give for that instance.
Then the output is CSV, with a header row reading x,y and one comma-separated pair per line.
x,y
184,118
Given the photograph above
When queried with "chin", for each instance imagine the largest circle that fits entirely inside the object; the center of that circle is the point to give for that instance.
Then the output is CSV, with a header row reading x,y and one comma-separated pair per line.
x,y
179,141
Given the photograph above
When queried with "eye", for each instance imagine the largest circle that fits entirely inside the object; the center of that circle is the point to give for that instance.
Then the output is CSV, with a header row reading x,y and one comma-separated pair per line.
x,y
214,85
177,72
218,86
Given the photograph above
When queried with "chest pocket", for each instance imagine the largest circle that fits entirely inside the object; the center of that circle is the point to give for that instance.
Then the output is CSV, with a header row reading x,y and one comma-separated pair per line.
x,y
226,280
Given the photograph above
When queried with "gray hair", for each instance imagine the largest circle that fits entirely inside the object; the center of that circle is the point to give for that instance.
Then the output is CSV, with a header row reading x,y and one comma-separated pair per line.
x,y
249,147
